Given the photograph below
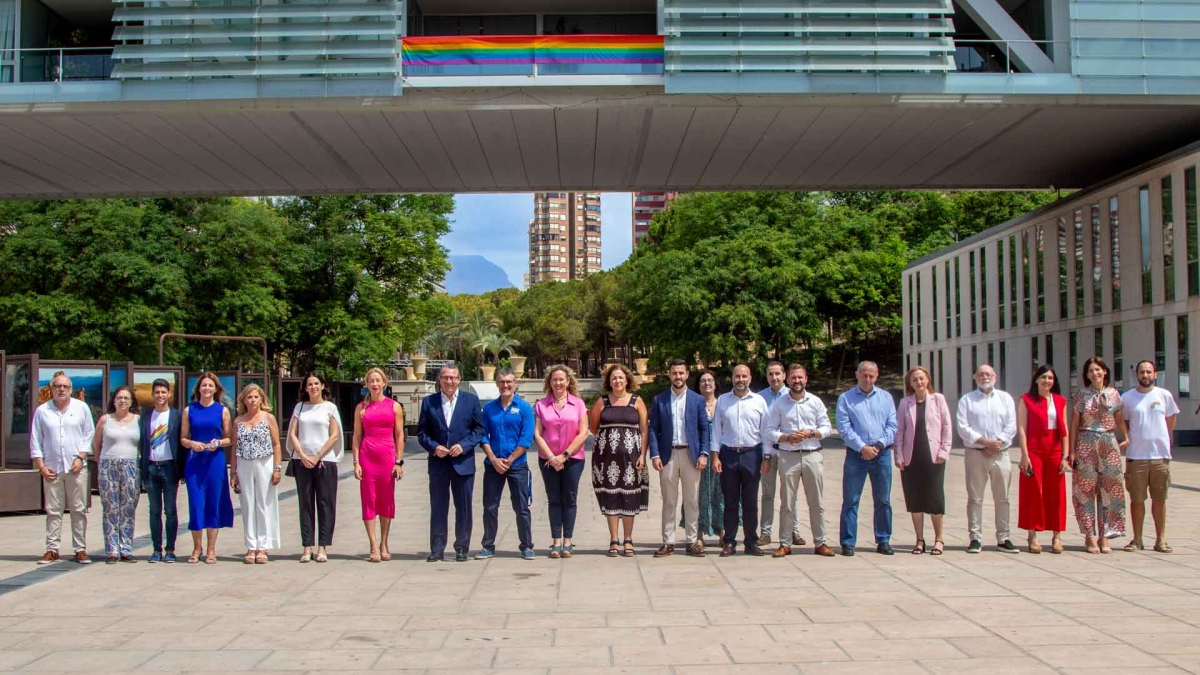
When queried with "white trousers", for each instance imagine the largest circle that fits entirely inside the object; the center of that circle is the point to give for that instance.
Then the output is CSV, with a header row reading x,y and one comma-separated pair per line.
x,y
680,470
807,468
260,503
68,491
980,469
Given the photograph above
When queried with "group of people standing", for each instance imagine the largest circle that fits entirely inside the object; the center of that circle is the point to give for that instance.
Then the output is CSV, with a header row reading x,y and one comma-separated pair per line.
x,y
712,455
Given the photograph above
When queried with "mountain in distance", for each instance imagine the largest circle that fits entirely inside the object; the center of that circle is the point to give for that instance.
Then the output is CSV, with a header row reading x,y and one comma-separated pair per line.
x,y
474,274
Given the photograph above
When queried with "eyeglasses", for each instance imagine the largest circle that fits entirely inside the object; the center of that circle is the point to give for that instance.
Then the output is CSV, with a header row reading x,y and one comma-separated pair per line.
x,y
60,386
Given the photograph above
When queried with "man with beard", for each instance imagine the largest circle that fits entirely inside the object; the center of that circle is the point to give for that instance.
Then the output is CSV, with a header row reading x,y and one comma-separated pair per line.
x,y
679,448
1150,414
795,425
987,424
737,430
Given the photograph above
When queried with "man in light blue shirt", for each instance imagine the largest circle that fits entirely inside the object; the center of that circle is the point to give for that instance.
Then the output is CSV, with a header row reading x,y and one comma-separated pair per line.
x,y
508,425
866,420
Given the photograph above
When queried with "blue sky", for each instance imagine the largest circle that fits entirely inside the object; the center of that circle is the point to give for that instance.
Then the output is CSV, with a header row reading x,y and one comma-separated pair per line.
x,y
496,226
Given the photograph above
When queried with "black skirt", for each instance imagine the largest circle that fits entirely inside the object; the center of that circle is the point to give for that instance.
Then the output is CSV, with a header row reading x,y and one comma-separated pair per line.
x,y
922,480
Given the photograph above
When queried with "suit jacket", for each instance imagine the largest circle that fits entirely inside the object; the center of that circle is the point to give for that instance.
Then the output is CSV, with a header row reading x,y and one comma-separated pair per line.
x,y
174,447
937,427
661,428
466,428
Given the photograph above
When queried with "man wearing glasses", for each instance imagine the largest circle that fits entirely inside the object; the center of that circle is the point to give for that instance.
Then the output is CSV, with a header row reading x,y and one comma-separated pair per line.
x,y
508,423
60,441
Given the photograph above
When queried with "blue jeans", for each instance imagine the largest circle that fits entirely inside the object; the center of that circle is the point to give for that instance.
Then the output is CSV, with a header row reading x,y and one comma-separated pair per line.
x,y
520,492
162,489
562,494
854,476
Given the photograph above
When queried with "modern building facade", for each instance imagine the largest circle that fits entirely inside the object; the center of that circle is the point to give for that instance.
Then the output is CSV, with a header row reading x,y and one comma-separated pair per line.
x,y
1110,271
564,236
645,205
279,97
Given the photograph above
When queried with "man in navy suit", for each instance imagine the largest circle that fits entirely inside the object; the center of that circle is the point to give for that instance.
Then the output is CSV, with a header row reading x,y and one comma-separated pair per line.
x,y
449,428
162,458
679,445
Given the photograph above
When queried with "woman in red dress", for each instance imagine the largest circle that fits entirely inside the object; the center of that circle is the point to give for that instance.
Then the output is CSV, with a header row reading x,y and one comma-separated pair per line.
x,y
1042,435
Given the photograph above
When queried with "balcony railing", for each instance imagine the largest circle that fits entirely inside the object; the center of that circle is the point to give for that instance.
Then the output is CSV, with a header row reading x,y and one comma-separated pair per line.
x,y
56,64
992,56
532,55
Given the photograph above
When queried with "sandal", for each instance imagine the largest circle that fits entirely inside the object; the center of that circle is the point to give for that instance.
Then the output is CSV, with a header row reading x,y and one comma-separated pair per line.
x,y
554,552
1161,547
567,551
939,547
1132,547
374,557
1092,548
613,550
194,557
1034,547
322,558
919,548
628,552
261,558
384,554
210,559
306,557
1056,545
249,559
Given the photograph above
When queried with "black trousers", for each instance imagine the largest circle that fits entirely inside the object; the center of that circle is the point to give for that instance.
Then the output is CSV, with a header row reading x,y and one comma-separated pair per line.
x,y
317,492
740,472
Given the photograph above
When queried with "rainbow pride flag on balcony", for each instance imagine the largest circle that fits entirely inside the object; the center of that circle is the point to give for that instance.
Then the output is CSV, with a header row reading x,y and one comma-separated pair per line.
x,y
457,50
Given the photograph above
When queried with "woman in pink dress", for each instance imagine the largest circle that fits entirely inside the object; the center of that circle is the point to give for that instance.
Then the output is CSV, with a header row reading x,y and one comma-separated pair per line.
x,y
378,460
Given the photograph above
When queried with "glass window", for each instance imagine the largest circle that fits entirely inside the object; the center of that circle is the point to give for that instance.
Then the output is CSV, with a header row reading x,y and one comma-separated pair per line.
x,y
1098,348
957,300
948,312
1025,275
974,358
971,290
1144,217
1192,232
1063,290
1000,280
1160,345
907,362
910,310
983,325
1185,366
1003,365
1033,351
1073,354
920,314
1040,238
1097,292
1050,349
958,374
1168,223
1012,278
600,24
991,359
941,362
1114,236
1118,357
933,288
920,359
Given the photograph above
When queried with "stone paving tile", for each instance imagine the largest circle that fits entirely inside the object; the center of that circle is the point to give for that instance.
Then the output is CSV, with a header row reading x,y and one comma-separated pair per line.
x,y
599,637
549,657
1066,656
891,667
402,659
707,635
669,655
947,628
734,669
864,650
177,661
12,659
1028,636
984,647
319,659
1013,665
92,659
787,652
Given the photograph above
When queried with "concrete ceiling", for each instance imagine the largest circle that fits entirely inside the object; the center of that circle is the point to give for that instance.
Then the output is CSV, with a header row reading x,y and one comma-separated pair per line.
x,y
696,143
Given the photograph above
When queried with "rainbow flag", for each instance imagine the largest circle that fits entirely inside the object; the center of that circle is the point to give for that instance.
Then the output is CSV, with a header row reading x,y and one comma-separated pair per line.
x,y
474,50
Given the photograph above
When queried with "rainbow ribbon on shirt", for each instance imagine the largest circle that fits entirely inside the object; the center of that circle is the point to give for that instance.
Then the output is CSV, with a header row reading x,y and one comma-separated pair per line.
x,y
158,436
459,50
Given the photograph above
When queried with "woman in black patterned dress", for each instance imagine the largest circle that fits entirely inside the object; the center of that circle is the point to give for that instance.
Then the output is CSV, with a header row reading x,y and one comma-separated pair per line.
x,y
619,474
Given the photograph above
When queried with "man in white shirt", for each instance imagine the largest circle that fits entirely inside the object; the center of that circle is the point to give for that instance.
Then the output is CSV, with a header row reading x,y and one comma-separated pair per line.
x,y
776,389
1150,414
679,449
737,431
987,424
60,440
795,426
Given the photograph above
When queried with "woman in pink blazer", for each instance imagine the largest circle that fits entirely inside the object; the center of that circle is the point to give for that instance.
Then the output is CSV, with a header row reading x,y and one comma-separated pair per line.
x,y
921,450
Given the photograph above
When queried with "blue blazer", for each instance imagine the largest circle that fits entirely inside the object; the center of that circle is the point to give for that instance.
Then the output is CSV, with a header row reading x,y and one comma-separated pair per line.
x,y
466,429
178,452
695,426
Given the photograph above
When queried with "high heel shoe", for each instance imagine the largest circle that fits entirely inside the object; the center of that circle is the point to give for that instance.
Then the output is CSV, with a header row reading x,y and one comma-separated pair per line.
x,y
1034,546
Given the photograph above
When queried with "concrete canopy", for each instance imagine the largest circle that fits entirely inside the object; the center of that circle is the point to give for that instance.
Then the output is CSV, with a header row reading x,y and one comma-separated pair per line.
x,y
626,138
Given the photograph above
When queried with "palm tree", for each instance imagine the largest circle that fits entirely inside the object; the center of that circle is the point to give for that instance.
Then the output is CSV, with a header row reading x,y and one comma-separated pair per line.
x,y
476,331
500,342
439,341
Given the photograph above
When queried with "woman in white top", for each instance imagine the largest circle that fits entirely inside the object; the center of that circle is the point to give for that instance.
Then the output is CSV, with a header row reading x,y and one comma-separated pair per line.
x,y
315,442
116,443
256,472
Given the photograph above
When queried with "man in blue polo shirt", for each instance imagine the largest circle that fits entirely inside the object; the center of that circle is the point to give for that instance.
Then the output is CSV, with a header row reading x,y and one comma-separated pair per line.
x,y
508,428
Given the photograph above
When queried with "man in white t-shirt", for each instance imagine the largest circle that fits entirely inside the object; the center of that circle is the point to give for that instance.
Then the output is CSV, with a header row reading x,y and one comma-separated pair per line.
x,y
1150,414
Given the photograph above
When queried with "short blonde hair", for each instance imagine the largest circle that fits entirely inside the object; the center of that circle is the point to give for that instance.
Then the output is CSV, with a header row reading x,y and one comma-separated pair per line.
x,y
572,381
265,406
379,370
908,388
630,385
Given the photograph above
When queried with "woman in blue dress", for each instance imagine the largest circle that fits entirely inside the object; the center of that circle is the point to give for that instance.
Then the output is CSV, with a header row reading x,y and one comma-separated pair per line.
x,y
205,433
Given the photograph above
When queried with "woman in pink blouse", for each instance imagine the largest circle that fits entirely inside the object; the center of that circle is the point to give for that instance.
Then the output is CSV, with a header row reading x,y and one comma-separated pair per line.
x,y
560,429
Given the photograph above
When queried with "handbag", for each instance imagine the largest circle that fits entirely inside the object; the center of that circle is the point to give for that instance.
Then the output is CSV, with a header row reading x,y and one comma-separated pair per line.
x,y
289,469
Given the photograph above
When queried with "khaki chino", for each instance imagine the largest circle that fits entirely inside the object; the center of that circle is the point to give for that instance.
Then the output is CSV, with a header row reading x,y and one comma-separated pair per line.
x,y
807,467
980,470
680,470
68,491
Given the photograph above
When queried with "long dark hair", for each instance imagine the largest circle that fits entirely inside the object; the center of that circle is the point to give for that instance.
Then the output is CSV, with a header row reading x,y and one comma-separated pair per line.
x,y
1087,382
1033,386
304,387
134,408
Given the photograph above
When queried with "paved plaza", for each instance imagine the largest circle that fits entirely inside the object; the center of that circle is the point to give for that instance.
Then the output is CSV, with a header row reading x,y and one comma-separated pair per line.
x,y
959,613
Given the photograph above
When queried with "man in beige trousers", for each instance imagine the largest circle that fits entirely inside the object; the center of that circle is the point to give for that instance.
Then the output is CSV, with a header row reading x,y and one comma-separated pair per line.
x,y
60,440
987,424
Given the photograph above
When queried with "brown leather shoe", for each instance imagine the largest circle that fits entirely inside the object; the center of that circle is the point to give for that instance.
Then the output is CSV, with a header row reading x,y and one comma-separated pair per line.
x,y
823,550
665,550
797,540
49,557
82,558
696,550
782,551
726,550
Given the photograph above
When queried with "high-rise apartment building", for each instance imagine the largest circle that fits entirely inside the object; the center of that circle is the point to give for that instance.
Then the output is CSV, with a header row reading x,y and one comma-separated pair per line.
x,y
645,205
564,236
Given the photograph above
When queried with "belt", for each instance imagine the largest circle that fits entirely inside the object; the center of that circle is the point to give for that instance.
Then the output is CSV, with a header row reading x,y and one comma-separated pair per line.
x,y
162,463
679,447
800,450
741,449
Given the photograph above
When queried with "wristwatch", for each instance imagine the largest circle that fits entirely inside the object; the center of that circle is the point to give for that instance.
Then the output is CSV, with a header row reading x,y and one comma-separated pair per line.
x,y
399,462
278,467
